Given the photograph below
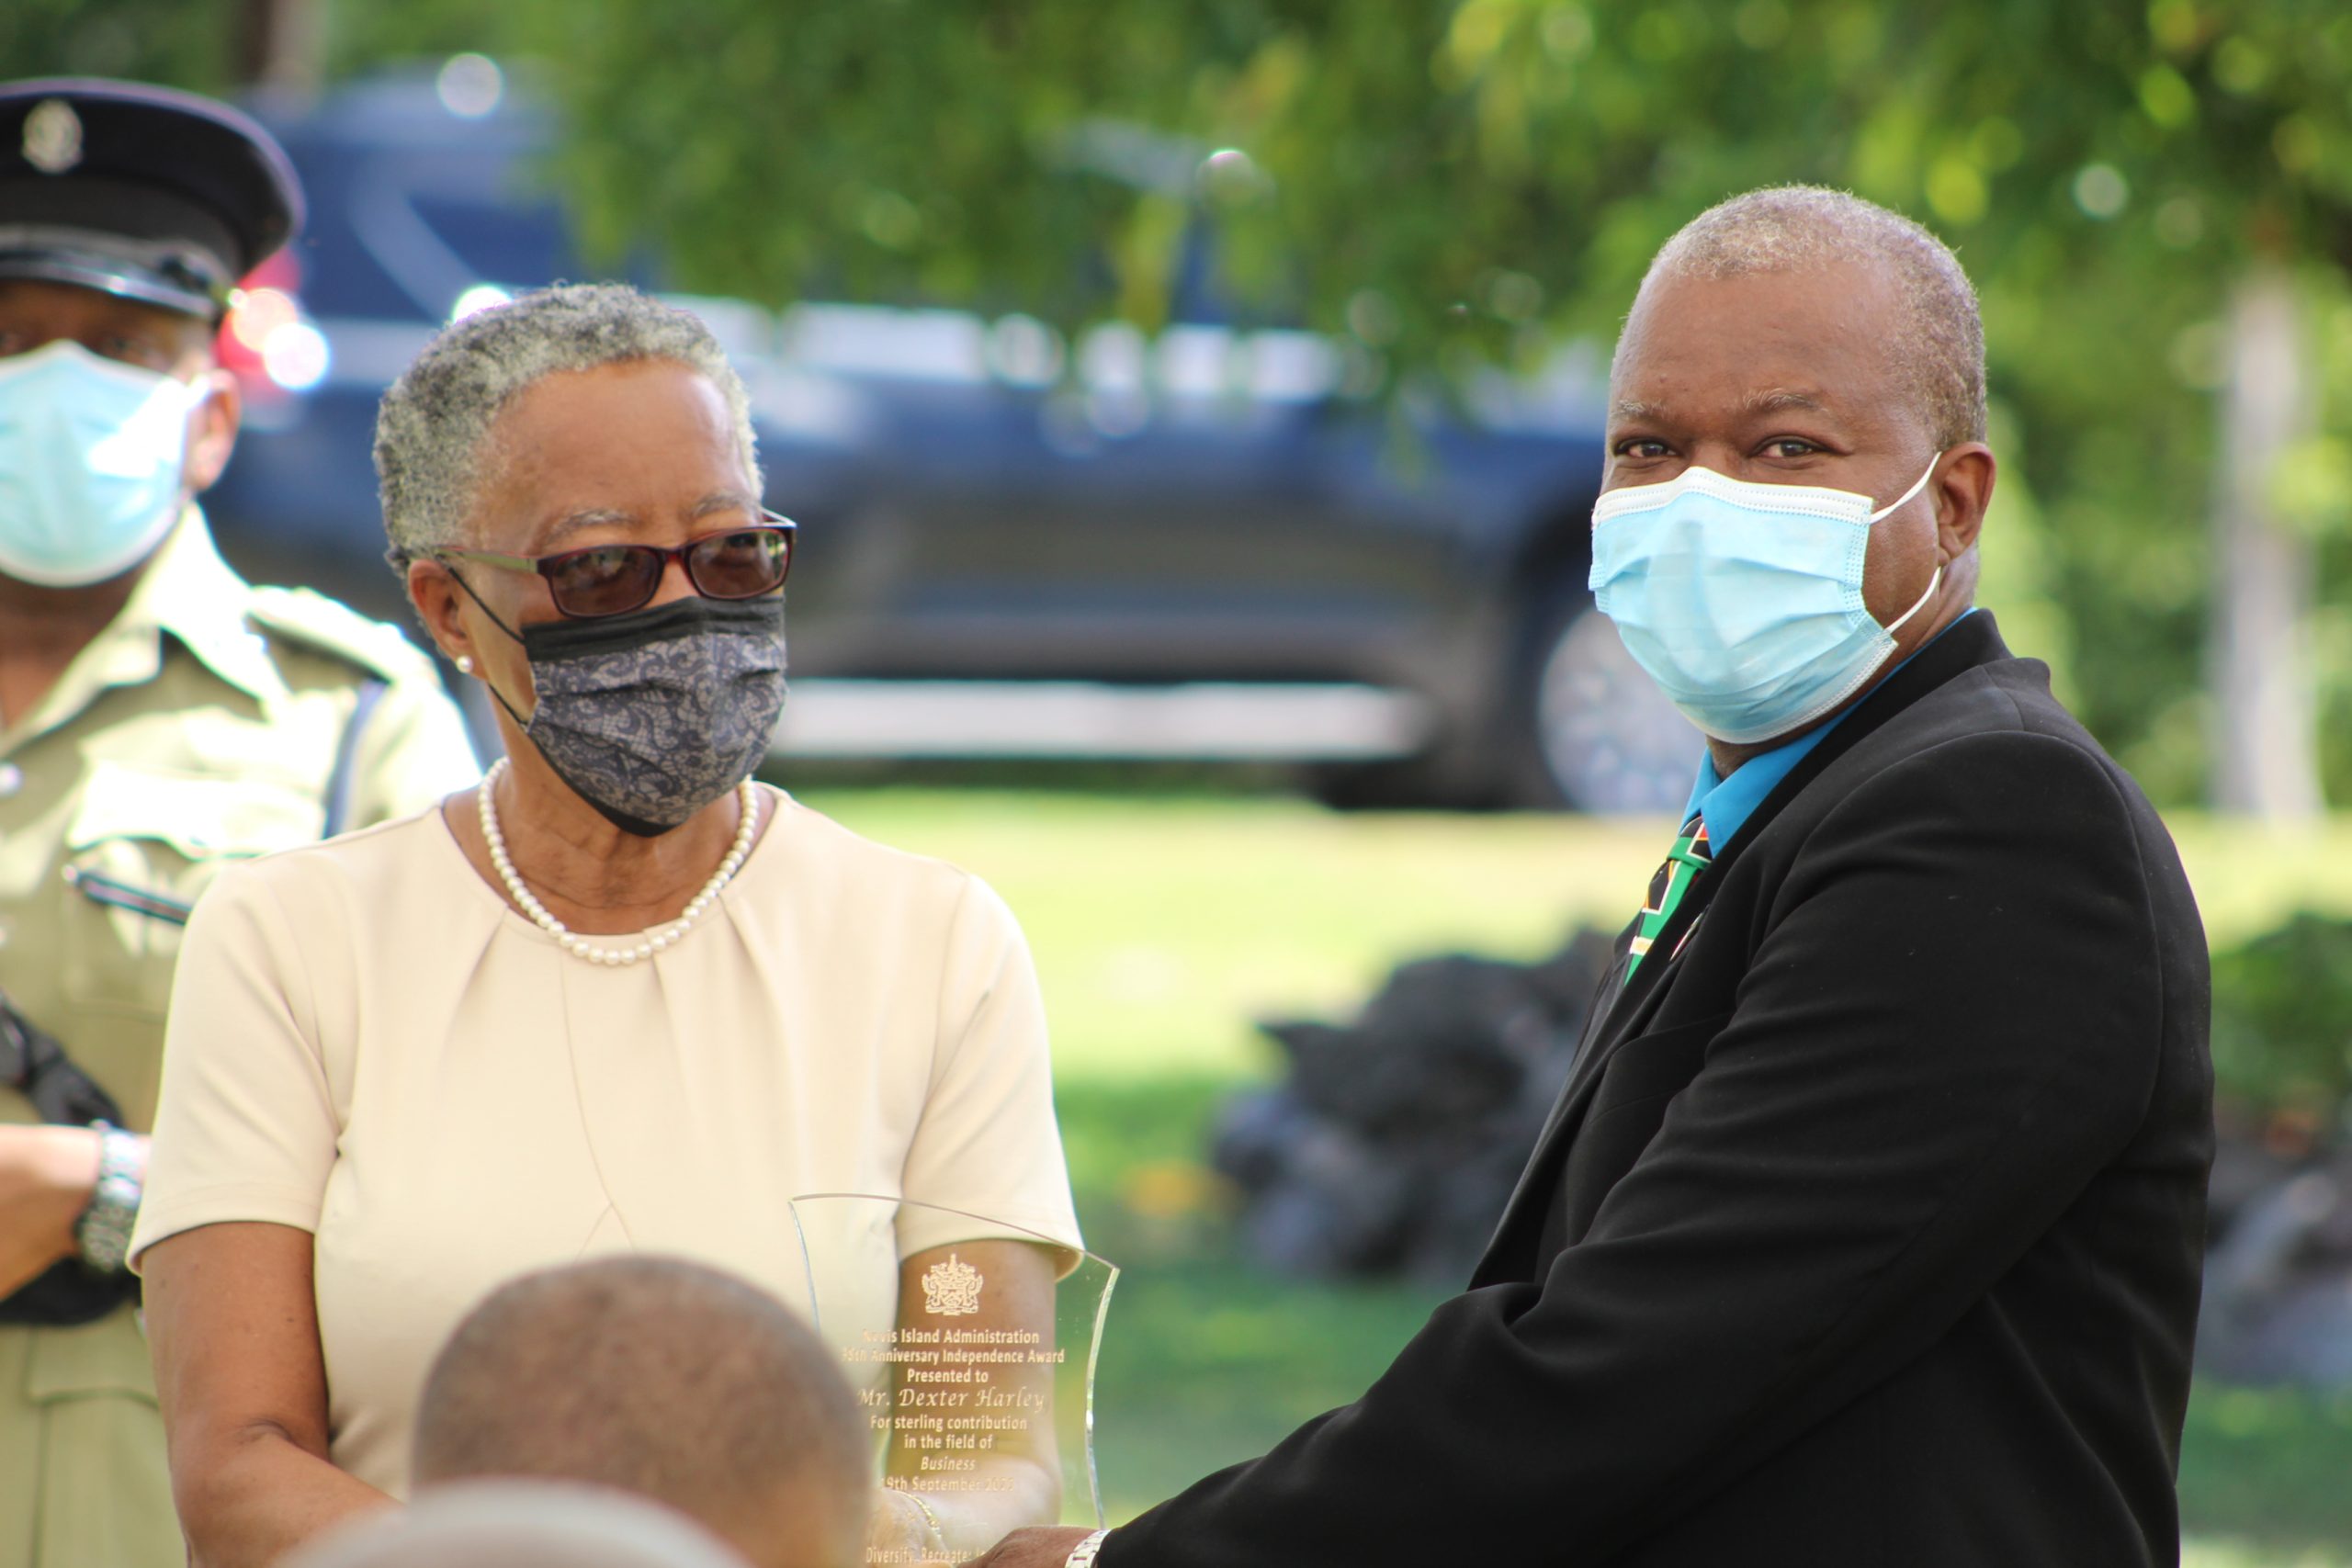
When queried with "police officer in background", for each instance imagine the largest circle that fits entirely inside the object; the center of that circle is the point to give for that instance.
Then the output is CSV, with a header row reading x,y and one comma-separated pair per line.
x,y
158,717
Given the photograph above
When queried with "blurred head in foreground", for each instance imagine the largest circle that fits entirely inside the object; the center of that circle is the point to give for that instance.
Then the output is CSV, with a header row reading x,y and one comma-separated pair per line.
x,y
521,1524
663,1378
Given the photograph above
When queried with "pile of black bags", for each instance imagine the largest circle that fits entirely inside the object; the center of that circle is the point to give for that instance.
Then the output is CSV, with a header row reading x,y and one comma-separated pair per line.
x,y
2278,1269
1393,1142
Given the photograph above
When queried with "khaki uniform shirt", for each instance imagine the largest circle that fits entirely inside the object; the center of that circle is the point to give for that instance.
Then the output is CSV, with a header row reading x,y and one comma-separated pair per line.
x,y
203,726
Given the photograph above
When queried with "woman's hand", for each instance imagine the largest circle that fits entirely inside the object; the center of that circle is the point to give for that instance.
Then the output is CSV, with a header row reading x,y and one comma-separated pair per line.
x,y
900,1532
47,1175
1017,1480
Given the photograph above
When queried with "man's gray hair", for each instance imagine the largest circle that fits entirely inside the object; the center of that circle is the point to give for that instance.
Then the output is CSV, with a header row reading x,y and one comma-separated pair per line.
x,y
1939,340
660,1377
433,430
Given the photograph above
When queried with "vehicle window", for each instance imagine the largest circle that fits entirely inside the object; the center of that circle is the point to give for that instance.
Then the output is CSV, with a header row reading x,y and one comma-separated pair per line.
x,y
519,241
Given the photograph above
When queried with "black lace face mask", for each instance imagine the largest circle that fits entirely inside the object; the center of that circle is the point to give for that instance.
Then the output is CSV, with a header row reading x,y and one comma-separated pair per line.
x,y
651,715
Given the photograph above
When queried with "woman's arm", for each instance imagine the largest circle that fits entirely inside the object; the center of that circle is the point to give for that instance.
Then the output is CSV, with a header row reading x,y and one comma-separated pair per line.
x,y
976,1495
987,1144
234,1329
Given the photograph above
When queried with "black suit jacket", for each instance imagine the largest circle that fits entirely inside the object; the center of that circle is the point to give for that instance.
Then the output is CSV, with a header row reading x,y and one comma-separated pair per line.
x,y
1867,1227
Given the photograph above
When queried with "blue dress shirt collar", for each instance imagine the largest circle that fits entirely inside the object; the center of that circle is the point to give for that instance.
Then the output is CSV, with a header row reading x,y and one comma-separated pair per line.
x,y
1728,803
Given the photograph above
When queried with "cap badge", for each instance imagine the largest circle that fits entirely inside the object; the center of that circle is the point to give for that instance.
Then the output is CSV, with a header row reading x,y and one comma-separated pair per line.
x,y
52,136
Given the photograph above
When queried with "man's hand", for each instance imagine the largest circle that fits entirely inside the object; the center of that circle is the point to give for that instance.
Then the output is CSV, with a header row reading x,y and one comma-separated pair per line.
x,y
47,1175
1048,1548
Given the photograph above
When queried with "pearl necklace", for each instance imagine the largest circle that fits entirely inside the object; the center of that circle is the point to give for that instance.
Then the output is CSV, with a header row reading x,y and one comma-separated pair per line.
x,y
528,902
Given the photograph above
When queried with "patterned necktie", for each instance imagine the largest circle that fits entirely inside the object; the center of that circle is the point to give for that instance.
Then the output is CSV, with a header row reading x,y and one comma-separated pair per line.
x,y
1689,857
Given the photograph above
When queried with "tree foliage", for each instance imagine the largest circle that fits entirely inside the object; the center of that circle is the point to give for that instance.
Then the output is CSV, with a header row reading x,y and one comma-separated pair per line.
x,y
2282,1019
187,44
1460,181
1456,183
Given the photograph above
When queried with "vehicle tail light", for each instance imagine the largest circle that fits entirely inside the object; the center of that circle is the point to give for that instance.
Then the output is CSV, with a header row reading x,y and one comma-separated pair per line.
x,y
266,339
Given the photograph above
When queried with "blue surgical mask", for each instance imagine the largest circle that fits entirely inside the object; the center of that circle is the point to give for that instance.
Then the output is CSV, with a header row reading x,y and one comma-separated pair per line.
x,y
91,453
1744,602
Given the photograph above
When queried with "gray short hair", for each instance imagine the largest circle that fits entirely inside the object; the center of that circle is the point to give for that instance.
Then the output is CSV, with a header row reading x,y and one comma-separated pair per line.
x,y
1940,343
432,428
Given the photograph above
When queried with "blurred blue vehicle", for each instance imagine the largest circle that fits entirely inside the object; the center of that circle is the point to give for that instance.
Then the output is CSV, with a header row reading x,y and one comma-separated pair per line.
x,y
1198,546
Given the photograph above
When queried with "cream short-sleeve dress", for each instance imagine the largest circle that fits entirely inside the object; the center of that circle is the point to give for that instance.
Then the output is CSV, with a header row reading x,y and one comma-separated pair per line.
x,y
366,1042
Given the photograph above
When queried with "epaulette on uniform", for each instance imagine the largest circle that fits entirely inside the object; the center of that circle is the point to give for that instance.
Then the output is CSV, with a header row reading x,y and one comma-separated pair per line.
x,y
318,623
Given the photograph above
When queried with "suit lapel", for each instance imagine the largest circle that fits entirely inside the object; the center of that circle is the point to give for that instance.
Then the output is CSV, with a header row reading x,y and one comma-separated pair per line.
x,y
1623,1010
1607,1005
1620,1012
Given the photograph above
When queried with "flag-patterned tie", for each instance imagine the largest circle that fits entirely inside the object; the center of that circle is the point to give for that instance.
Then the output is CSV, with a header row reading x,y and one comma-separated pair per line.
x,y
1683,864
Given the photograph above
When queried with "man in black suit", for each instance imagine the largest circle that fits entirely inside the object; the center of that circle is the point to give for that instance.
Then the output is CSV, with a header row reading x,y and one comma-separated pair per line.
x,y
1867,1229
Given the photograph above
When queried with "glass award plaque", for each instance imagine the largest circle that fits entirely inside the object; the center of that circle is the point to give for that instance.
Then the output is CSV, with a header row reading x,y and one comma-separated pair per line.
x,y
973,1362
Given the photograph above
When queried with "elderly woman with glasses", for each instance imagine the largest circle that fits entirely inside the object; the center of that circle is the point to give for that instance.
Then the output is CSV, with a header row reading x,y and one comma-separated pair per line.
x,y
620,997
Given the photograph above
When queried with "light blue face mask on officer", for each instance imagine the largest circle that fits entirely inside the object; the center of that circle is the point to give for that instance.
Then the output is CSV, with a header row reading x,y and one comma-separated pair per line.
x,y
1744,602
91,453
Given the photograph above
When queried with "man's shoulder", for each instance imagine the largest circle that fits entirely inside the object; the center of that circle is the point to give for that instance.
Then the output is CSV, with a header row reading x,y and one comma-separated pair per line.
x,y
399,740
1981,750
1999,709
1968,741
269,641
302,625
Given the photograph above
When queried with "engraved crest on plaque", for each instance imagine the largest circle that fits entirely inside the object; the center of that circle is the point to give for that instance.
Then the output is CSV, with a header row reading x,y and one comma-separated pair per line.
x,y
952,1289
52,136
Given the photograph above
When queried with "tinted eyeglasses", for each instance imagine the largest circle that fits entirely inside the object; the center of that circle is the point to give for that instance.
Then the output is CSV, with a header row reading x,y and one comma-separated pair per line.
x,y
612,580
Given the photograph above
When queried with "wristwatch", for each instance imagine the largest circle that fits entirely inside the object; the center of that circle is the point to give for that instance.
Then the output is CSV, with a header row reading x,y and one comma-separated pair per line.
x,y
103,1229
1082,1554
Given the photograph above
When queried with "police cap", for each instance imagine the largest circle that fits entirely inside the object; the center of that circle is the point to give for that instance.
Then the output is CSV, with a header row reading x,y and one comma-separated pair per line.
x,y
139,191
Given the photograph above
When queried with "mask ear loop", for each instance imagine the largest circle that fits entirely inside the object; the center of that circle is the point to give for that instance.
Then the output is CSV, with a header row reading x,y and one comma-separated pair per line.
x,y
1904,500
1897,625
1895,505
499,696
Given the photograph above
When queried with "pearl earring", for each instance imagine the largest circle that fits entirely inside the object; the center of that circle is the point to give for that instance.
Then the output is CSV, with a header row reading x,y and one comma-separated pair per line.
x,y
465,664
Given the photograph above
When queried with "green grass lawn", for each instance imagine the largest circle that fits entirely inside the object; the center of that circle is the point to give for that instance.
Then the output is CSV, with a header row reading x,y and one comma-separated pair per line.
x,y
1162,926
